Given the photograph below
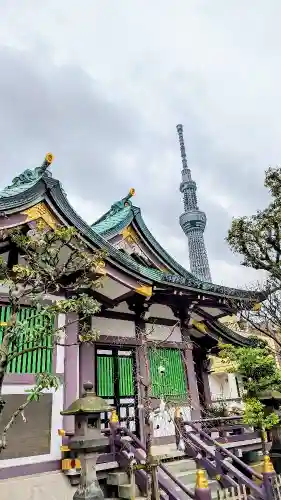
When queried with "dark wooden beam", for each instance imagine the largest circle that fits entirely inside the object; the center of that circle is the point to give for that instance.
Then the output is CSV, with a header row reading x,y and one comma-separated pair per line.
x,y
133,342
118,315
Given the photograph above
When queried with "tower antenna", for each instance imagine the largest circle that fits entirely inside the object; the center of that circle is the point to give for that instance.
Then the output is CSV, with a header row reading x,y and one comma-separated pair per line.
x,y
193,221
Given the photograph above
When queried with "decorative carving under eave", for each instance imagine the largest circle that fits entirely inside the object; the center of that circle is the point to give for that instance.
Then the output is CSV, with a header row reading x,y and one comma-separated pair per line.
x,y
130,235
199,325
41,211
144,290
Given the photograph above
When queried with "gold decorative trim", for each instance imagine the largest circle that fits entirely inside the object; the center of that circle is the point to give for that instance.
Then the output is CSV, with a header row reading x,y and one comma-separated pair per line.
x,y
130,235
201,480
114,417
41,211
144,290
267,465
219,366
199,325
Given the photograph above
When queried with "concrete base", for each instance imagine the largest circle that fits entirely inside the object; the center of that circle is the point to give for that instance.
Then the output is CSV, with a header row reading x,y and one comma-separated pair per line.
x,y
47,486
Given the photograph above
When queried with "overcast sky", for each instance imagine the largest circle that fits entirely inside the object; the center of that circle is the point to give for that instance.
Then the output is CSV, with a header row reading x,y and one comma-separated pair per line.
x,y
102,85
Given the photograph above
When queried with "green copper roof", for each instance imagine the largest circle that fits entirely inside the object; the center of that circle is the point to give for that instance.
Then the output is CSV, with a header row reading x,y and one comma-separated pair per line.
x,y
34,185
27,179
114,222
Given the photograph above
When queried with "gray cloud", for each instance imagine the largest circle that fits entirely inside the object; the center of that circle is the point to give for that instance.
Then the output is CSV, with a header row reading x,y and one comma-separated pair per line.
x,y
108,108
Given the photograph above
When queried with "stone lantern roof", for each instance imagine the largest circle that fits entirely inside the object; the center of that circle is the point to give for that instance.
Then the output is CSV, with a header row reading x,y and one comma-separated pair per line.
x,y
88,403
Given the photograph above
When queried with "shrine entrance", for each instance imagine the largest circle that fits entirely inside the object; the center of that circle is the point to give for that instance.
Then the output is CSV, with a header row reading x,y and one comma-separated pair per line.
x,y
116,383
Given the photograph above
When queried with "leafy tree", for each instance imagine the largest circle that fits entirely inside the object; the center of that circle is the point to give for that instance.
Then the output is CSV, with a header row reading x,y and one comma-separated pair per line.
x,y
259,372
51,262
257,238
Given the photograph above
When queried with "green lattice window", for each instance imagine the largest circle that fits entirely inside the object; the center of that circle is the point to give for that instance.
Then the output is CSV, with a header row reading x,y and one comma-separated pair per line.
x,y
125,371
107,373
105,379
39,360
172,383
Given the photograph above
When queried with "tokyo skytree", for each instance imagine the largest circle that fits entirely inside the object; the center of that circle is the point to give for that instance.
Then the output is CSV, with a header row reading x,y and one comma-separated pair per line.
x,y
193,221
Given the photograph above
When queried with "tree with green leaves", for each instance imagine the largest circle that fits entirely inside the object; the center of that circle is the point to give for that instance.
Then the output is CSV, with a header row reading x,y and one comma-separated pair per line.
x,y
257,367
51,263
257,238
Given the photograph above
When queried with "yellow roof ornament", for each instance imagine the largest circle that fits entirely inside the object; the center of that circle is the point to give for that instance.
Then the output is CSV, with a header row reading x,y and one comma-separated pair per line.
x,y
49,158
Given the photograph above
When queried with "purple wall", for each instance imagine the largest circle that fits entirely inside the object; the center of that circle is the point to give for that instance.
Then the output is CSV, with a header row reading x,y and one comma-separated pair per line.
x,y
71,368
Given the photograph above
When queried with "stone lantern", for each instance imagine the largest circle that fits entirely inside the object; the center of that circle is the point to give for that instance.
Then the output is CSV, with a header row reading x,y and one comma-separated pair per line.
x,y
88,440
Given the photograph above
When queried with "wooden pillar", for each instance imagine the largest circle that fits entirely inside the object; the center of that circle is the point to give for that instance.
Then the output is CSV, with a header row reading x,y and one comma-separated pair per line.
x,y
87,362
139,310
190,372
71,368
206,380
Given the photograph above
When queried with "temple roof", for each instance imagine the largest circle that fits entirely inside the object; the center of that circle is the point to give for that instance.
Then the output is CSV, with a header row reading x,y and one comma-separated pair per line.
x,y
36,191
32,186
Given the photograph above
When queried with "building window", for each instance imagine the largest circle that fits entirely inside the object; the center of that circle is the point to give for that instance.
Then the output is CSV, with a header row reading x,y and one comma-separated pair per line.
x,y
38,360
169,383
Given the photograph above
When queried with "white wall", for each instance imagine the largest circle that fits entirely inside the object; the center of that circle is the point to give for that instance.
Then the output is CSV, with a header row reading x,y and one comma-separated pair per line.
x,y
56,423
160,311
56,418
163,333
223,385
113,327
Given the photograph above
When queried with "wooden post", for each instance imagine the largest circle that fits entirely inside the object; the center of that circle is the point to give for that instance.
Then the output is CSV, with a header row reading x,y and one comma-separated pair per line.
x,y
268,474
114,422
202,489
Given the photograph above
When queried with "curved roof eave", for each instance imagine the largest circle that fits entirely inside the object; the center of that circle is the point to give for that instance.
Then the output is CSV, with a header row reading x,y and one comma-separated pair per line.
x,y
52,187
190,282
227,333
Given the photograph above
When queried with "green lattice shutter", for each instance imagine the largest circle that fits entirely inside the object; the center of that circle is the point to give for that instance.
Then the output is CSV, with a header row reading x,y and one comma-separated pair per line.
x,y
125,372
172,384
39,360
105,381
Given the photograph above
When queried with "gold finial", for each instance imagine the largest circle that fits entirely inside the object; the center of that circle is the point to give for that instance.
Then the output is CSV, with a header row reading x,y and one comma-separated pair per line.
x,y
177,412
114,417
49,158
267,465
132,191
201,480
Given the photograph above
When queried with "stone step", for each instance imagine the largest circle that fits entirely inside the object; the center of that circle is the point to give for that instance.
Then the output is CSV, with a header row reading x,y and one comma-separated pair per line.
x,y
124,491
117,478
178,466
187,477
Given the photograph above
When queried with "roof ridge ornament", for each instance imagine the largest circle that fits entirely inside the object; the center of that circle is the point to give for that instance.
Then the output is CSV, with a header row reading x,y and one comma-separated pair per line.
x,y
28,178
119,205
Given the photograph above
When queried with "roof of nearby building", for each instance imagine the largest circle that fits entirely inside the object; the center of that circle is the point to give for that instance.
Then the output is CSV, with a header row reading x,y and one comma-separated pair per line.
x,y
31,186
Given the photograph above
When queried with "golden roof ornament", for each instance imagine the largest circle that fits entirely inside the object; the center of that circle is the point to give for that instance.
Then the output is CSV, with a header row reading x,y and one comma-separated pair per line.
x,y
49,158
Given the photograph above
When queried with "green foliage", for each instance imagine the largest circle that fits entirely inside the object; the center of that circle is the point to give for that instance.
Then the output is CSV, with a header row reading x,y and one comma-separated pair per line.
x,y
254,415
53,262
43,381
258,238
256,365
258,369
218,409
